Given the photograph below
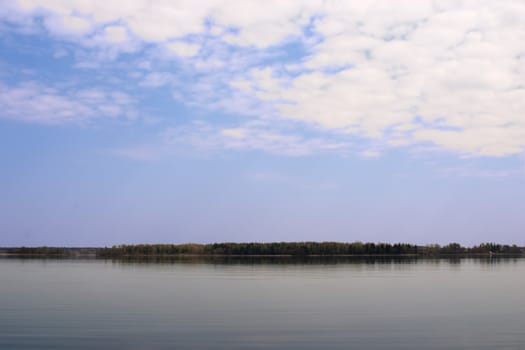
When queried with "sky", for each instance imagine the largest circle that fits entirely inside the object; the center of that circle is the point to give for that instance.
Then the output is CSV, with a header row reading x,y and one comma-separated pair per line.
x,y
207,121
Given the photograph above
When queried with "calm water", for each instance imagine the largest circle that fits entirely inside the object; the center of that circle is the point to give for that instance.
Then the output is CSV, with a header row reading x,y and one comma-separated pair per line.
x,y
278,304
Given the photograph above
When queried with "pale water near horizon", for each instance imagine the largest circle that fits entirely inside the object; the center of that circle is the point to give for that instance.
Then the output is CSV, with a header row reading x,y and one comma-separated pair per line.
x,y
262,303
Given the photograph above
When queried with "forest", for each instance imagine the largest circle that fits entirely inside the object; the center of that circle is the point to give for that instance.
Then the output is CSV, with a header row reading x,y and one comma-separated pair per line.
x,y
273,249
309,248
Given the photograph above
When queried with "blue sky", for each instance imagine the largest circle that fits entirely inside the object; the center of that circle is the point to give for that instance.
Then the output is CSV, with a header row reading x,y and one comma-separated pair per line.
x,y
204,121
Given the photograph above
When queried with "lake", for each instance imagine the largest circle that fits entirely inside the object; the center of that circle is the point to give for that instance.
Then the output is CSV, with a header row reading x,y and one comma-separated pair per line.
x,y
262,303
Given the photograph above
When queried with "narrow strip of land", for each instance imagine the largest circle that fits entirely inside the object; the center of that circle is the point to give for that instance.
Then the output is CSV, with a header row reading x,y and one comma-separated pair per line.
x,y
272,249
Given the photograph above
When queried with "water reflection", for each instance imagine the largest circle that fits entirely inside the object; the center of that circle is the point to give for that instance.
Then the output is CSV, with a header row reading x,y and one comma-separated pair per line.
x,y
312,260
280,260
262,302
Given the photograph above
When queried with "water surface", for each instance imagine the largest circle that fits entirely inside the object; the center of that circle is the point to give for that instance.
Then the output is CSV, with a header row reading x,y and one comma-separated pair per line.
x,y
262,303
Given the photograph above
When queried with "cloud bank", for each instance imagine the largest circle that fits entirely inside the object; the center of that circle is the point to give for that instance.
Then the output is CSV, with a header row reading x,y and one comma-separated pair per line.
x,y
446,73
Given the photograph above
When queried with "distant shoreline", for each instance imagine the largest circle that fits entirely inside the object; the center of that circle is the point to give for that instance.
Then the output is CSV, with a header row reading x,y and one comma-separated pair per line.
x,y
264,256
272,249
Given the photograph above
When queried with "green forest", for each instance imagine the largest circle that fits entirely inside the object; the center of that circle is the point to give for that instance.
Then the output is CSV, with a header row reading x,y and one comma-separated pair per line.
x,y
309,248
275,249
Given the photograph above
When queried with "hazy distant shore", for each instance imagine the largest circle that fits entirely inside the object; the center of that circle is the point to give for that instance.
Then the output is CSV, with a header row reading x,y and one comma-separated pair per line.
x,y
275,249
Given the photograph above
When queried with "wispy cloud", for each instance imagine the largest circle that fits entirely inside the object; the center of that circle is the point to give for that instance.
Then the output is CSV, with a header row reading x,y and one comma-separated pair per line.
x,y
254,136
203,138
34,102
481,173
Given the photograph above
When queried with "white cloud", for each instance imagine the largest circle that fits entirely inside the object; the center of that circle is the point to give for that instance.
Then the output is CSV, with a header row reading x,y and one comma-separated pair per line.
x,y
76,24
236,133
252,136
370,153
33,102
203,138
116,33
449,73
158,79
183,49
257,23
462,66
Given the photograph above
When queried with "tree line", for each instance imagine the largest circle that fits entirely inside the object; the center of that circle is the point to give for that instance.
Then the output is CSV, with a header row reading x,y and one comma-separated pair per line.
x,y
50,251
308,248
274,249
